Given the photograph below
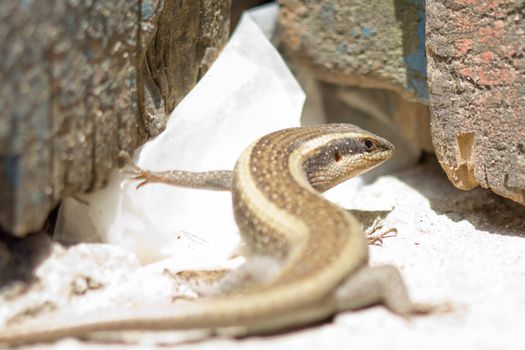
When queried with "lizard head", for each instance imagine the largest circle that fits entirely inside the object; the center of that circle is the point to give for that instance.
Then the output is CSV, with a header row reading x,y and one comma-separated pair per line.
x,y
342,151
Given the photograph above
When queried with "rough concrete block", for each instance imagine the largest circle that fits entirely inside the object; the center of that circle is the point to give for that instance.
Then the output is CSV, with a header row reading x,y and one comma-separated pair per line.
x,y
476,54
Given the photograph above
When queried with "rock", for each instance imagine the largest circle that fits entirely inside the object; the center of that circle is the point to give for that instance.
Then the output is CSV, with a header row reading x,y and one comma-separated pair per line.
x,y
378,44
20,257
189,36
83,80
477,88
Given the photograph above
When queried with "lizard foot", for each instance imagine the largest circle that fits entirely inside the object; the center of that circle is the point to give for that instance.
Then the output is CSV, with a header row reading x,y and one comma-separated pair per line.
x,y
382,285
421,309
376,233
256,271
372,225
136,172
195,284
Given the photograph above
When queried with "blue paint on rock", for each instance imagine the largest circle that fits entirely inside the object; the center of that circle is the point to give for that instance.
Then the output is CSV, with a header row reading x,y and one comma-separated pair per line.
x,y
367,32
417,61
10,165
146,11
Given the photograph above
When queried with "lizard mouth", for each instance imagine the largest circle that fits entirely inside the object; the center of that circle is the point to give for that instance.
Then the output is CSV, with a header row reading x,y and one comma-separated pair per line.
x,y
378,156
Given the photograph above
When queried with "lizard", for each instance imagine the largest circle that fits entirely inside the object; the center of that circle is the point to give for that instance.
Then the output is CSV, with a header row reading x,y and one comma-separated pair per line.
x,y
320,248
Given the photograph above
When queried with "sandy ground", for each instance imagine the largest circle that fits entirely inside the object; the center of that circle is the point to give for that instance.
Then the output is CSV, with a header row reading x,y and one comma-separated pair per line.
x,y
465,248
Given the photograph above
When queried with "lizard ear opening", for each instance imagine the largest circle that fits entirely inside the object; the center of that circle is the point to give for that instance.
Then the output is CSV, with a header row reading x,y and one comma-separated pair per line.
x,y
337,156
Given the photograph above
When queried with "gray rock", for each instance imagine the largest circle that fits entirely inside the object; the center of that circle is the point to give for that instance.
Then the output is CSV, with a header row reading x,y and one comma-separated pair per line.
x,y
85,79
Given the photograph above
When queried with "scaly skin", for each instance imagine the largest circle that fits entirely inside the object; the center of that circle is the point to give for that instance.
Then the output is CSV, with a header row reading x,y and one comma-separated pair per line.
x,y
276,190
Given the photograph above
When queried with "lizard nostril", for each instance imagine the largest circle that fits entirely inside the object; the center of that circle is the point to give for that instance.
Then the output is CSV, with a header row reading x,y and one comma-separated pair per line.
x,y
337,156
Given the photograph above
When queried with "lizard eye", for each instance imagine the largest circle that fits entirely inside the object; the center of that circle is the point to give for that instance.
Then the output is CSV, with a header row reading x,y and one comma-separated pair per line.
x,y
369,145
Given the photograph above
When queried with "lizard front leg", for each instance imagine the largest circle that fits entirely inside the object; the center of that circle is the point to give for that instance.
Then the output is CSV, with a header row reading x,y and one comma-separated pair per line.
x,y
219,180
